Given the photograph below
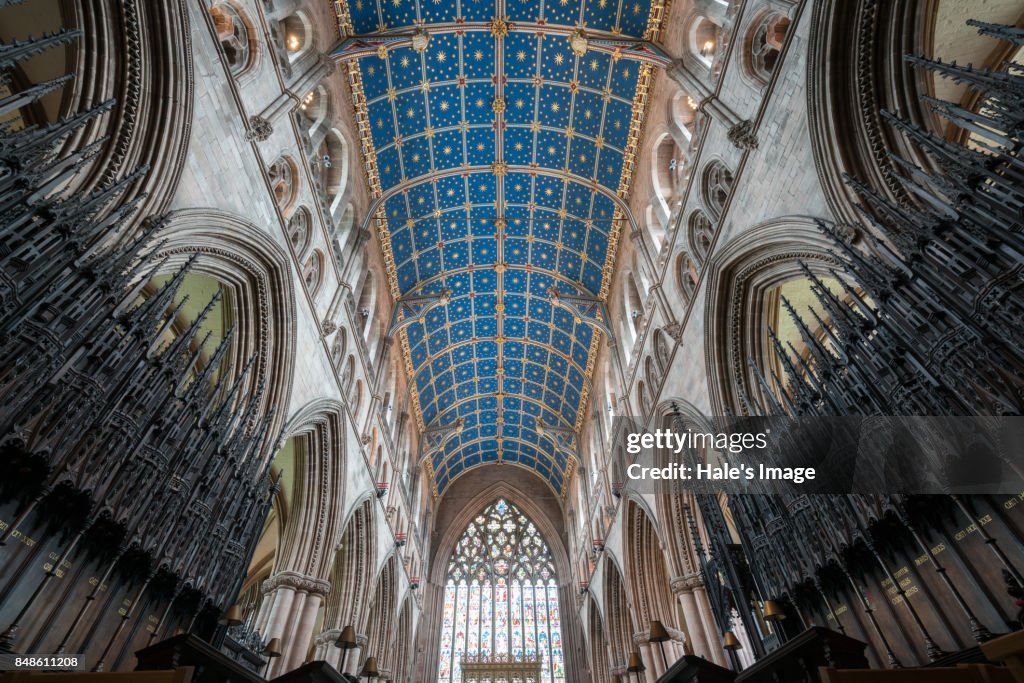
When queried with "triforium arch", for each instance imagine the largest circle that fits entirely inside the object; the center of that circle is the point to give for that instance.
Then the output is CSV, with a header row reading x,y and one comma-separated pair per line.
x,y
319,484
744,278
254,273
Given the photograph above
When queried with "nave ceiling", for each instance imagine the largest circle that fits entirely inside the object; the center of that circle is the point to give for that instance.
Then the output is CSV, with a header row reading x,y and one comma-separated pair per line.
x,y
499,140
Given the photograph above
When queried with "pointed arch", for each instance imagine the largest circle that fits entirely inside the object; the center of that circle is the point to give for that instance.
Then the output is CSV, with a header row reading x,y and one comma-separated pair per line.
x,y
352,570
618,619
255,273
318,489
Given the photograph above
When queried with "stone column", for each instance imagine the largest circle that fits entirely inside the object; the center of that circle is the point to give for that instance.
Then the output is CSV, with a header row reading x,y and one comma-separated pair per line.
x,y
715,643
296,601
325,649
741,133
683,587
304,628
262,125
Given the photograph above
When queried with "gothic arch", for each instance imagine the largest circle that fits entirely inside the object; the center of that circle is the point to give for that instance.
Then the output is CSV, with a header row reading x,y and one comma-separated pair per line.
x,y
236,35
647,573
255,273
618,616
319,489
740,277
852,75
762,45
139,56
600,667
522,500
352,569
404,656
381,616
716,185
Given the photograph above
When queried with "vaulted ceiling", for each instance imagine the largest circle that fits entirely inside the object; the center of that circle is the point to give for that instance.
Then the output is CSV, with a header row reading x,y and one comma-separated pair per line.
x,y
499,140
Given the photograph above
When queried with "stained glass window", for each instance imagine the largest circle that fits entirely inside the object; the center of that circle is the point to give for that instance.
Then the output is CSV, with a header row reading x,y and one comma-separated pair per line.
x,y
501,596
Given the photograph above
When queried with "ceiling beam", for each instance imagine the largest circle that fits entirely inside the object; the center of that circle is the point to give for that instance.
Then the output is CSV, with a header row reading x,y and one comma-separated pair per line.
x,y
395,190
580,40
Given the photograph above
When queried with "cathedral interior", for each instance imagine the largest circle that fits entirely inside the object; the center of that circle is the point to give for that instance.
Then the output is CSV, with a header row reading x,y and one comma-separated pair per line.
x,y
323,323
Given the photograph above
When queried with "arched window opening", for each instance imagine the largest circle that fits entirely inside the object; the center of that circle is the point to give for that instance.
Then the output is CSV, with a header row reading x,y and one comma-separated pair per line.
x,y
664,169
367,304
195,293
701,232
704,39
765,45
501,596
295,32
284,182
634,306
684,115
796,336
300,230
717,187
235,36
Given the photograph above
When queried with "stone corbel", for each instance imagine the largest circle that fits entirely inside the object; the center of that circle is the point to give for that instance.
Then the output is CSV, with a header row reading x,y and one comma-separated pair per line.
x,y
743,135
259,129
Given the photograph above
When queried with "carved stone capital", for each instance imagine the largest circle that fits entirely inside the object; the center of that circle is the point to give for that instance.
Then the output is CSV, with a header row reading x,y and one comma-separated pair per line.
x,y
743,135
674,330
298,582
259,130
329,327
328,637
685,583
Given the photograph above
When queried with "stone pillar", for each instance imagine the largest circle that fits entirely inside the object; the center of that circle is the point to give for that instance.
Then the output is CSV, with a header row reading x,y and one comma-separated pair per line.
x,y
715,643
262,124
325,649
263,617
691,83
304,629
296,601
683,587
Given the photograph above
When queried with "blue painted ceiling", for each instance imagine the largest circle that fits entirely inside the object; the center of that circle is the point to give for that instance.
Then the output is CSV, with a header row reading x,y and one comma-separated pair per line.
x,y
442,124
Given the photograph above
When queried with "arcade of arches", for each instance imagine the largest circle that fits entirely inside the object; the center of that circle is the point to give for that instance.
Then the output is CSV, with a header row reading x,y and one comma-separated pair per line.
x,y
320,319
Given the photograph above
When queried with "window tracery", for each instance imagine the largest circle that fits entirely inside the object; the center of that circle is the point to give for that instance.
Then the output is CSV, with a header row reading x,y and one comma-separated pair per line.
x,y
701,232
765,45
234,37
283,181
501,595
312,271
299,230
717,186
